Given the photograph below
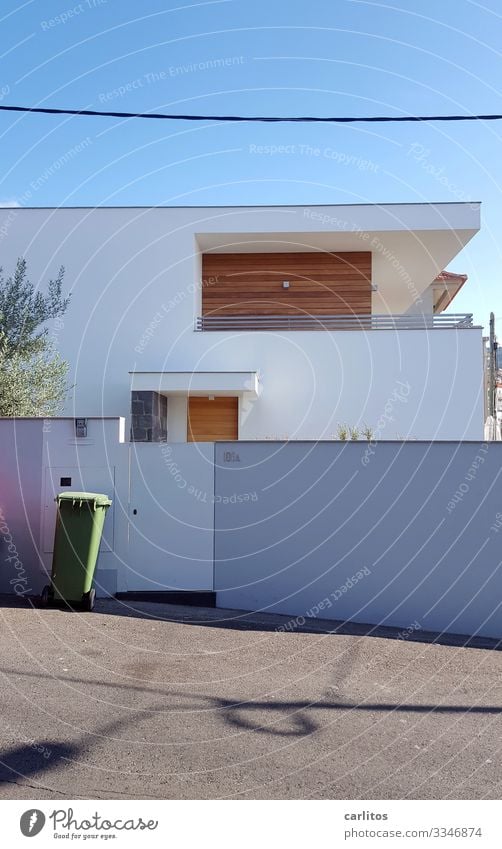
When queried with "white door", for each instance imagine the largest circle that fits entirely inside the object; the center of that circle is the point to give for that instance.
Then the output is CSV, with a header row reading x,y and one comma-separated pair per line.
x,y
171,513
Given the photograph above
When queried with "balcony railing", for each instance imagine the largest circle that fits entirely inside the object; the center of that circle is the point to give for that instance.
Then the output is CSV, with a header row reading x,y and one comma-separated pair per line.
x,y
441,321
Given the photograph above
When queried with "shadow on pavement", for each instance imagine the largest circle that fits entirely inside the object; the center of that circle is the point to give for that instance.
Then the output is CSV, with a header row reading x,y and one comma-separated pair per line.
x,y
242,620
239,713
27,760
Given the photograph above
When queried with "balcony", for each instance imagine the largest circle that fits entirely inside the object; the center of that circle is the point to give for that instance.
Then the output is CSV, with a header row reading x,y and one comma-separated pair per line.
x,y
441,321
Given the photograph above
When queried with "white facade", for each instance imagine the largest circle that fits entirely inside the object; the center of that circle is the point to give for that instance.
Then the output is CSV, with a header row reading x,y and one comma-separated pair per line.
x,y
135,277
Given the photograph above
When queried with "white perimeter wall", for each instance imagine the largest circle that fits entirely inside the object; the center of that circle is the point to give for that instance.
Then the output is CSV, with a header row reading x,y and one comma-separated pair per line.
x,y
158,532
20,494
408,536
401,534
34,456
134,275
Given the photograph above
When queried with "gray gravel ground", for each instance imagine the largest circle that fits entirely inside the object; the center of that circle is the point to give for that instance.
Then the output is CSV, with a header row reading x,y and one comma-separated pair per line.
x,y
175,702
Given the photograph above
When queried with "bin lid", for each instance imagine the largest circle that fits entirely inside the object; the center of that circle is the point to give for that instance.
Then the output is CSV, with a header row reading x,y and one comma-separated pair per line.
x,y
97,498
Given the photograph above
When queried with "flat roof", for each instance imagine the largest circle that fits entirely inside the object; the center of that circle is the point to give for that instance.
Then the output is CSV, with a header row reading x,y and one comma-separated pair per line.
x,y
255,205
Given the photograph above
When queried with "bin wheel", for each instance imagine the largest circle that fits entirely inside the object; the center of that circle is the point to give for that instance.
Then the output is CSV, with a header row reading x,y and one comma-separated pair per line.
x,y
46,596
88,599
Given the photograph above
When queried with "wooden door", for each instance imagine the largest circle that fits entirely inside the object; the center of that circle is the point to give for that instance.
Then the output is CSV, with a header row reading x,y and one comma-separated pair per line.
x,y
210,421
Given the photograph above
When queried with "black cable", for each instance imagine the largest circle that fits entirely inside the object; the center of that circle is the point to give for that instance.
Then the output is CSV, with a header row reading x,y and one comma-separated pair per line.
x,y
254,118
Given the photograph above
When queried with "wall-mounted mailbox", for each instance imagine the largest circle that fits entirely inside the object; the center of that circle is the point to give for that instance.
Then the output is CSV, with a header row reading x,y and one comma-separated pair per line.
x,y
81,428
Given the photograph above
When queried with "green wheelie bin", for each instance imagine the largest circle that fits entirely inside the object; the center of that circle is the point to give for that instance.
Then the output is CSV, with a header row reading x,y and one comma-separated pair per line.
x,y
79,526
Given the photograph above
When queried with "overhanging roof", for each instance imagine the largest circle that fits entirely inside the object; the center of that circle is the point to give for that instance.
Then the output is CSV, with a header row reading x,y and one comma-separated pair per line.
x,y
196,382
410,243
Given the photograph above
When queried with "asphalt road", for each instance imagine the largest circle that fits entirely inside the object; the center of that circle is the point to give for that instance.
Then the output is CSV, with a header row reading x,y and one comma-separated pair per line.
x,y
143,703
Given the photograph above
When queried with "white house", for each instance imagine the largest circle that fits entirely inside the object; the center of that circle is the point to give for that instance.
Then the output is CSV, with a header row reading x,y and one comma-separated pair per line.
x,y
253,323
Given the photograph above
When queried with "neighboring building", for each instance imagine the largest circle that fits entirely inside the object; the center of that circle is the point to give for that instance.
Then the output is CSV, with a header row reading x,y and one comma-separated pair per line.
x,y
445,287
209,323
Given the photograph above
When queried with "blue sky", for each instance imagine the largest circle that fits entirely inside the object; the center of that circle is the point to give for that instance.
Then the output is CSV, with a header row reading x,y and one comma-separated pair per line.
x,y
273,58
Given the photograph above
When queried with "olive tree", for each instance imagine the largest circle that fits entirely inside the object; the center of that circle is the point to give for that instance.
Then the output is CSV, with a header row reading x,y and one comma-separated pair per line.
x,y
33,377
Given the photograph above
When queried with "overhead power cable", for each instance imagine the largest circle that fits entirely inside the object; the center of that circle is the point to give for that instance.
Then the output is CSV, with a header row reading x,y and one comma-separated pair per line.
x,y
310,119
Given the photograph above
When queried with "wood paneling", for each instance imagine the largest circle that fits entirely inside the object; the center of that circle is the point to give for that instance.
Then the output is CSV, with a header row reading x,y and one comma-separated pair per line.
x,y
209,421
320,283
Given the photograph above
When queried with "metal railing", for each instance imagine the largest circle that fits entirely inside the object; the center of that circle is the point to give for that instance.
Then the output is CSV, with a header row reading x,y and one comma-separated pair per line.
x,y
334,322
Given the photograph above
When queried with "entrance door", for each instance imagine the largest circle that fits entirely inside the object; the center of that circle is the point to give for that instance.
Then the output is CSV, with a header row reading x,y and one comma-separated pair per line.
x,y
212,420
171,517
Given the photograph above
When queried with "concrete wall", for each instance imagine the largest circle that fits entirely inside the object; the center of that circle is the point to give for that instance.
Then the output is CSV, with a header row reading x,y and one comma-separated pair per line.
x,y
35,455
98,463
158,532
401,534
20,492
394,533
134,276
